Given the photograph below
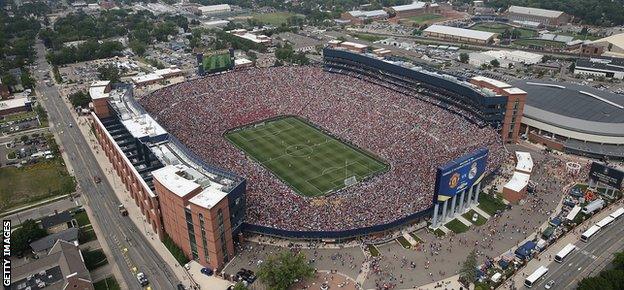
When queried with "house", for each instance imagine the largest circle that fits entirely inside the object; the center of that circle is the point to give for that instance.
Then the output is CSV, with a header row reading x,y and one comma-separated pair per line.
x,y
58,222
63,267
41,246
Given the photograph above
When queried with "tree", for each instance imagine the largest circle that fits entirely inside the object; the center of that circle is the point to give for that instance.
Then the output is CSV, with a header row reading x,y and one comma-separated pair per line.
x,y
468,272
109,72
23,236
8,80
138,47
80,99
618,261
27,81
464,57
240,286
594,283
495,63
281,271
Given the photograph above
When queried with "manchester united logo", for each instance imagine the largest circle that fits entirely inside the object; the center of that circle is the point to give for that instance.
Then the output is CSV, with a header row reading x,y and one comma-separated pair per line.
x,y
454,181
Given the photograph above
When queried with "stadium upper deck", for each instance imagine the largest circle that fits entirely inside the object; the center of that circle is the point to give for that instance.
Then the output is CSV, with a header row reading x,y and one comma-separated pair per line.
x,y
487,102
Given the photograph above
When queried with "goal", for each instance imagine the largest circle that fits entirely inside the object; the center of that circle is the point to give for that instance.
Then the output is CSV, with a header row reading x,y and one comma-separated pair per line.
x,y
350,181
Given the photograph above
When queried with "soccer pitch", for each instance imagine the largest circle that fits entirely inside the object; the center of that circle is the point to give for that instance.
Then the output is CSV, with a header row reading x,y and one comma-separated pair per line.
x,y
308,160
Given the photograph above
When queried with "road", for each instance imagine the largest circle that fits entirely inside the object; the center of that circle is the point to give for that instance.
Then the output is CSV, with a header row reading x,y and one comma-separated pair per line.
x,y
130,249
588,259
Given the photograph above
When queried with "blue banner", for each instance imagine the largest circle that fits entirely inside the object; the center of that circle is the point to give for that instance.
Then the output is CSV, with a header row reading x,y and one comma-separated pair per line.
x,y
460,174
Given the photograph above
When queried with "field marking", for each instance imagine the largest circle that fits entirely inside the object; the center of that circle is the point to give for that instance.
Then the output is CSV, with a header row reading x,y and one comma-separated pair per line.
x,y
279,131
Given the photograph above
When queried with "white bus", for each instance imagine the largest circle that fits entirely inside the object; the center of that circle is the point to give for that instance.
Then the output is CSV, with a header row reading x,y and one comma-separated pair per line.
x,y
617,213
533,278
589,233
564,252
605,221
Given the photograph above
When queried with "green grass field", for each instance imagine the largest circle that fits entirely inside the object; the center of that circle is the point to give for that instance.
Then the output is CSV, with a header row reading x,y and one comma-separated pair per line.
x,y
456,226
500,28
490,204
21,186
425,18
480,219
310,161
216,62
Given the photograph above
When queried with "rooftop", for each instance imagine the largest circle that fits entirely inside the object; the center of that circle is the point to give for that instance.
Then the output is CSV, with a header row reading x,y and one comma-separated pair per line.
x,y
367,14
570,106
518,181
535,11
493,82
47,242
175,180
56,219
407,7
467,33
14,103
143,126
97,90
209,197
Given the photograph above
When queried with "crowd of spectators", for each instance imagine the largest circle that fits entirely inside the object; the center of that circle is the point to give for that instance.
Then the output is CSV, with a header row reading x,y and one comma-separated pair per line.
x,y
412,136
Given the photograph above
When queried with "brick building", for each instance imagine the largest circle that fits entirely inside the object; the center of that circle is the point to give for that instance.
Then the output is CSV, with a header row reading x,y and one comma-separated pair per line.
x,y
543,16
516,98
200,207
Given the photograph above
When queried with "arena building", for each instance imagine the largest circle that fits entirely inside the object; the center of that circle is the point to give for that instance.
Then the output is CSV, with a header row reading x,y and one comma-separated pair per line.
x,y
459,34
574,118
600,67
544,16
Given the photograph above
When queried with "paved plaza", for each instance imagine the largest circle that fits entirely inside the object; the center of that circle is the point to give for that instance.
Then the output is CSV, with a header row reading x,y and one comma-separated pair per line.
x,y
437,258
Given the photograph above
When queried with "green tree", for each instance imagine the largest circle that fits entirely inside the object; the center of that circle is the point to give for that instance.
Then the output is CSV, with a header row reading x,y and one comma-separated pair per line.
x,y
618,261
109,72
495,63
27,80
8,80
23,236
594,283
464,57
240,286
80,99
468,272
138,47
281,271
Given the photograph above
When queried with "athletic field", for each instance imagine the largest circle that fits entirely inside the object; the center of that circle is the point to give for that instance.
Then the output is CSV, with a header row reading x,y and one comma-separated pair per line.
x,y
310,161
217,62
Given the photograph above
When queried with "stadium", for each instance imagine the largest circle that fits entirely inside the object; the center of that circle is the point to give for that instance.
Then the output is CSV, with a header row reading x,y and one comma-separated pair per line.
x,y
329,152
574,118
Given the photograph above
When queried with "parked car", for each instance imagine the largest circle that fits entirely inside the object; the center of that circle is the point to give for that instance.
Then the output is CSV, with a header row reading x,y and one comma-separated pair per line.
x,y
549,284
142,279
207,271
475,217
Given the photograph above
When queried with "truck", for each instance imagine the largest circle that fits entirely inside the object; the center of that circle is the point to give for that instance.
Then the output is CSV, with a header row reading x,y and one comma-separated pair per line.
x,y
97,179
593,206
122,210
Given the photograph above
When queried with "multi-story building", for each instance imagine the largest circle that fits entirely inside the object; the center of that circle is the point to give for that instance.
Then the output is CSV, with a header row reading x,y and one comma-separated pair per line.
x,y
359,17
544,16
200,207
414,9
516,98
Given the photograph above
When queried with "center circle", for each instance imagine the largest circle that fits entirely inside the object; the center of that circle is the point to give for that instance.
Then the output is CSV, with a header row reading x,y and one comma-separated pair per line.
x,y
298,150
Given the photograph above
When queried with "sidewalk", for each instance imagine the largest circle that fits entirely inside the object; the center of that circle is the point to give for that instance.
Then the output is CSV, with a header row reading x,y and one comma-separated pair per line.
x,y
134,212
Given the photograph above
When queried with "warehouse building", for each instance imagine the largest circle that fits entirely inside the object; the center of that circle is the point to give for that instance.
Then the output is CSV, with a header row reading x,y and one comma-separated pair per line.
x,y
546,17
459,34
414,9
600,67
504,57
612,46
359,17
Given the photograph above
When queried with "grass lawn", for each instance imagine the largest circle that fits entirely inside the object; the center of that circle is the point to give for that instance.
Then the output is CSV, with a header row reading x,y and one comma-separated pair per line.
x,y
82,218
29,184
94,259
490,204
217,62
456,226
275,18
538,42
404,242
367,37
86,234
419,240
107,284
373,251
480,220
578,36
425,18
310,161
500,28
438,233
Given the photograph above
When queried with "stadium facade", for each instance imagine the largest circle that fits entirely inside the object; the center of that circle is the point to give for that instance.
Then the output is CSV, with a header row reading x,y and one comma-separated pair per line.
x,y
574,118
483,100
200,207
